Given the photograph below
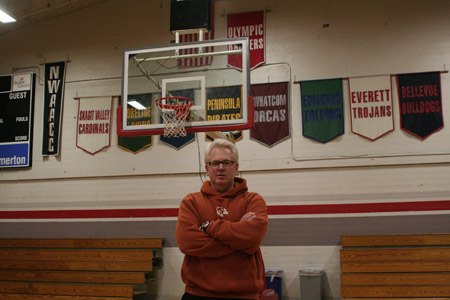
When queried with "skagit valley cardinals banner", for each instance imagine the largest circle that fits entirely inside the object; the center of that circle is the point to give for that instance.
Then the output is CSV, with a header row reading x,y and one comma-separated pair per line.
x,y
94,123
53,106
371,111
251,25
322,109
420,103
271,104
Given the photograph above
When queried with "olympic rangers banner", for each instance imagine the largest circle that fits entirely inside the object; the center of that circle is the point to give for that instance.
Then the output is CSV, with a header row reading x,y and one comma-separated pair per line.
x,y
53,106
94,123
251,25
371,106
420,103
271,104
322,109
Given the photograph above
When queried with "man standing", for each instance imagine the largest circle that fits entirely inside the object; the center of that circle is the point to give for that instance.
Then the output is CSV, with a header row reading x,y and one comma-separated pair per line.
x,y
220,230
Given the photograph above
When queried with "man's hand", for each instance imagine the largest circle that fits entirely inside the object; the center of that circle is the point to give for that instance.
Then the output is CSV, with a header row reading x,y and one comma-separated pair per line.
x,y
248,216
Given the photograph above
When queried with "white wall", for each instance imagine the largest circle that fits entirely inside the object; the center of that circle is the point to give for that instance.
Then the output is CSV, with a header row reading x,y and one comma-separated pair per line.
x,y
362,38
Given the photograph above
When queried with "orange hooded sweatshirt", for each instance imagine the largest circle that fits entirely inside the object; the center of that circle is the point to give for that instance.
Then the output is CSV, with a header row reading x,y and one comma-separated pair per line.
x,y
225,262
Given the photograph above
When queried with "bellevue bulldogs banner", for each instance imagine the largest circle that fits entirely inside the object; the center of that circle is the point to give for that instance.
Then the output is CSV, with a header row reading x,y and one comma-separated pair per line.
x,y
420,103
322,109
53,106
251,25
94,123
271,104
371,111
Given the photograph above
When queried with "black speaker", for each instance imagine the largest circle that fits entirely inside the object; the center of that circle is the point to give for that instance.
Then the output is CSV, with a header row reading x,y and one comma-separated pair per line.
x,y
190,14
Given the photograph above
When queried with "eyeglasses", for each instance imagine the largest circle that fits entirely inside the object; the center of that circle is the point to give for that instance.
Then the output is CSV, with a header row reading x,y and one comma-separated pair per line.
x,y
225,163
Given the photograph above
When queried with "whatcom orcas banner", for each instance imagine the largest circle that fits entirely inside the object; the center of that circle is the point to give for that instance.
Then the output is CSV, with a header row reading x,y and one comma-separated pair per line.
x,y
420,102
322,109
371,111
94,123
271,113
53,106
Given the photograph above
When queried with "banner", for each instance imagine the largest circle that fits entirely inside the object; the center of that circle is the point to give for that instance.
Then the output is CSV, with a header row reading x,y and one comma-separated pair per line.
x,y
420,103
224,103
16,120
136,116
251,25
181,141
322,109
271,113
371,111
94,123
195,61
54,82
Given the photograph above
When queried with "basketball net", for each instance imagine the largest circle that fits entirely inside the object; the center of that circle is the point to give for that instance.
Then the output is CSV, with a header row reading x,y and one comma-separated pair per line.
x,y
174,111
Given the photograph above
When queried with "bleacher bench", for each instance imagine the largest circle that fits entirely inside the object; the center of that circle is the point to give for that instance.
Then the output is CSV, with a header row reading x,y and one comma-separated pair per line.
x,y
77,269
395,266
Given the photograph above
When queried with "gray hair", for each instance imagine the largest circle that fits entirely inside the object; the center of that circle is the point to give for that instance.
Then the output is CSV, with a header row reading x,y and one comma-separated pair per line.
x,y
221,143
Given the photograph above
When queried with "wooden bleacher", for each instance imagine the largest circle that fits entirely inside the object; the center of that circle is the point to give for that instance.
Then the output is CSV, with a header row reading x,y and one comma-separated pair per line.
x,y
395,266
77,269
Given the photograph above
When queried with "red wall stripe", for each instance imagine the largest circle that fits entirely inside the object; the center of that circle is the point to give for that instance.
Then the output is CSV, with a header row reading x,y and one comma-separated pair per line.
x,y
308,209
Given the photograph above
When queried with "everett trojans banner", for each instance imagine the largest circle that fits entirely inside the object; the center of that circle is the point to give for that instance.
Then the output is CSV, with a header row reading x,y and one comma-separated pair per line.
x,y
322,109
420,103
251,25
271,104
94,123
371,111
53,105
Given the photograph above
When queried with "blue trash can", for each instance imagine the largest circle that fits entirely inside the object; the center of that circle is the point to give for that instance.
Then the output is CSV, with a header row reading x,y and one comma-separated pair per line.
x,y
274,280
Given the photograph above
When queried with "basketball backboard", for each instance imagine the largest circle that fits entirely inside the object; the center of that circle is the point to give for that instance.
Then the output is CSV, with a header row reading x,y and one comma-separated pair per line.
x,y
198,70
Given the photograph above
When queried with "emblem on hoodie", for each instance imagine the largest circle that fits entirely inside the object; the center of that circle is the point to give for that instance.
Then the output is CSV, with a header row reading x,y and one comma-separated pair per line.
x,y
221,211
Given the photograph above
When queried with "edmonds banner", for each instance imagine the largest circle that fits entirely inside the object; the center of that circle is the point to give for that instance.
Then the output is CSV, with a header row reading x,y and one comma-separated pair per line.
x,y
420,103
371,111
322,109
251,25
271,104
53,106
94,123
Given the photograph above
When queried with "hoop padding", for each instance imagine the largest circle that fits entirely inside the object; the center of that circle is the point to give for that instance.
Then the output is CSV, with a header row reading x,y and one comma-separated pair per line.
x,y
174,111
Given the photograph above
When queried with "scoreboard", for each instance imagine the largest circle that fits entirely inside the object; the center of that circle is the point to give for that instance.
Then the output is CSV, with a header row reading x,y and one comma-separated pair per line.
x,y
16,119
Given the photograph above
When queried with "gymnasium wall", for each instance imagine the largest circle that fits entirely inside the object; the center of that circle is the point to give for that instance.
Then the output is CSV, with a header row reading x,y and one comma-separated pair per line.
x,y
315,192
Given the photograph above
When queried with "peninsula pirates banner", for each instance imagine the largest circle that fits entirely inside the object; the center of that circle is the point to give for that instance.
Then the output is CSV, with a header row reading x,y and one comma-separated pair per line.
x,y
371,111
322,109
224,103
420,103
94,123
271,113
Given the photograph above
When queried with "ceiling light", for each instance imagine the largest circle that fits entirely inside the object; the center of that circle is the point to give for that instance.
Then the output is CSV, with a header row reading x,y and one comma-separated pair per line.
x,y
5,18
136,105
